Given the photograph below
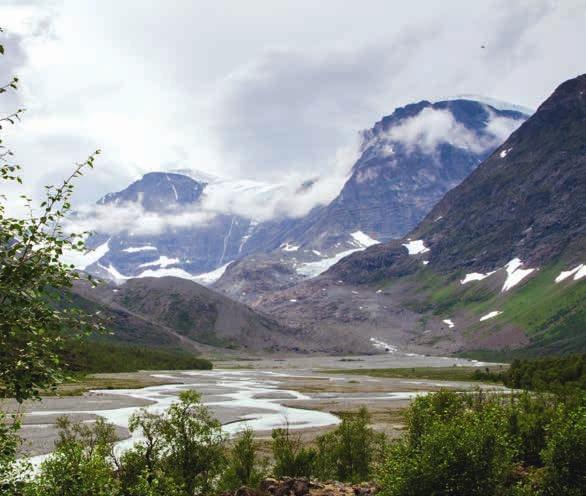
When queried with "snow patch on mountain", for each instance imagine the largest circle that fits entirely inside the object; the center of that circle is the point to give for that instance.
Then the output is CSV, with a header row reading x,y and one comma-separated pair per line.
x,y
211,277
114,274
163,261
578,272
515,274
289,247
449,323
493,102
475,276
381,345
363,239
167,272
490,315
416,247
314,269
137,249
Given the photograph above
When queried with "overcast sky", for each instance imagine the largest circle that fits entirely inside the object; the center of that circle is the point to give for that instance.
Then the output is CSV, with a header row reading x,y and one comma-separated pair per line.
x,y
269,90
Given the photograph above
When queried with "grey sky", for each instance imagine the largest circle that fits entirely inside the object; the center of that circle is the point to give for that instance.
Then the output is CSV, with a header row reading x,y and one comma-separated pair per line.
x,y
269,90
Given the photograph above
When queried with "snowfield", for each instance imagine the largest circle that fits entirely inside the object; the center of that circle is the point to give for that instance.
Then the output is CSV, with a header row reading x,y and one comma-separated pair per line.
x,y
416,247
314,269
288,247
381,345
475,276
211,277
137,249
515,274
83,260
490,315
163,261
364,239
578,272
449,322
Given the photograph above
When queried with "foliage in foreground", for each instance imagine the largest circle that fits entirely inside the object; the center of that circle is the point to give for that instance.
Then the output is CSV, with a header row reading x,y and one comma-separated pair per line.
x,y
478,444
456,444
36,322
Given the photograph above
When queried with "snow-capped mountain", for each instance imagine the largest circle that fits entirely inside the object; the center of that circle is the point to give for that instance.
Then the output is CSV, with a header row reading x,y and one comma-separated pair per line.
x,y
193,225
497,264
168,232
409,160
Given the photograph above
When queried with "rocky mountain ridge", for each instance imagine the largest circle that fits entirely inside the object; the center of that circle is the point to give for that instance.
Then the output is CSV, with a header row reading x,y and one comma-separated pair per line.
x,y
185,223
177,313
497,264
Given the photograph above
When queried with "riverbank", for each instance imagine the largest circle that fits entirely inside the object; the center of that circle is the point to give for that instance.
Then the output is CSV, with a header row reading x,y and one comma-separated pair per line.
x,y
264,395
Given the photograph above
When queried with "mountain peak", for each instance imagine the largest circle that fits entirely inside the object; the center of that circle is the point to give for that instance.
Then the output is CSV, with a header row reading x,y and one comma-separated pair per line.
x,y
572,91
157,191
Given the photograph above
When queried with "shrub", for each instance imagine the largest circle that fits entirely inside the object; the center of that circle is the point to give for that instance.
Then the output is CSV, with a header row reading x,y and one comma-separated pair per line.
x,y
194,444
244,468
11,469
182,451
565,454
348,453
81,465
292,459
455,445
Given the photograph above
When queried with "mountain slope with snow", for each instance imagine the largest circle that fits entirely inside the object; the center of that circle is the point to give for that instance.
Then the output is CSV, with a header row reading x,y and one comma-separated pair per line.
x,y
409,160
496,264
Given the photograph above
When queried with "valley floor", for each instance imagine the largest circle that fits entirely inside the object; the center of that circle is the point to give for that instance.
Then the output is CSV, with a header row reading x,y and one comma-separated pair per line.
x,y
308,393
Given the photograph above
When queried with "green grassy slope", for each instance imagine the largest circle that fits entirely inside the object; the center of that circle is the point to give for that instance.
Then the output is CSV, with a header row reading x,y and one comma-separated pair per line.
x,y
552,315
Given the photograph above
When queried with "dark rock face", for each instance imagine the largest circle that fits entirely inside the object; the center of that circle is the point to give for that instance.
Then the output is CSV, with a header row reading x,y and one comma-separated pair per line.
x,y
525,201
158,191
409,160
194,248
245,280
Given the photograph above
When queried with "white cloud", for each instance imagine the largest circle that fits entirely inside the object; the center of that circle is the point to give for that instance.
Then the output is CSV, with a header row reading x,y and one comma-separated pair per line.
x,y
132,218
432,127
258,90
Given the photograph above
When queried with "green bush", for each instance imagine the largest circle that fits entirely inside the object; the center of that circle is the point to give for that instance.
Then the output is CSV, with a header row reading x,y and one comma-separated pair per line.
x,y
451,448
528,418
93,356
183,451
243,466
349,452
565,454
489,444
11,470
292,459
556,373
81,464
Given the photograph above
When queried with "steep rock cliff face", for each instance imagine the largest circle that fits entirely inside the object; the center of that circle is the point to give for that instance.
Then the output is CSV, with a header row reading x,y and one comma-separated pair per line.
x,y
409,160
